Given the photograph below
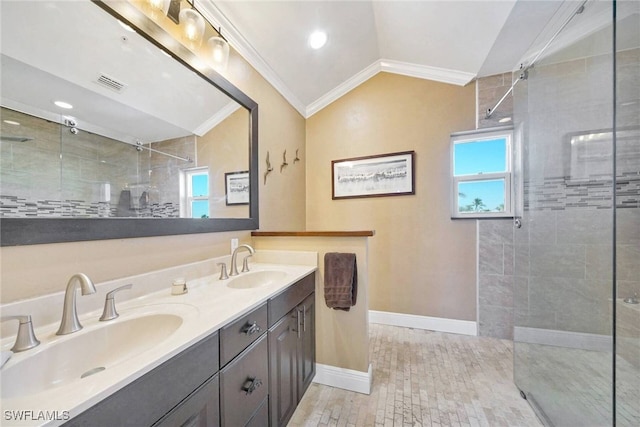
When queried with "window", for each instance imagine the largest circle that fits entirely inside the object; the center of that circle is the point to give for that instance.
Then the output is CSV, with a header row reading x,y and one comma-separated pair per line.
x,y
195,193
481,169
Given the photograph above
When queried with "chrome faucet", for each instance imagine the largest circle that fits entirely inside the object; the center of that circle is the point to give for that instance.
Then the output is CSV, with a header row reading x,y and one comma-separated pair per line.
x,y
26,338
234,263
70,322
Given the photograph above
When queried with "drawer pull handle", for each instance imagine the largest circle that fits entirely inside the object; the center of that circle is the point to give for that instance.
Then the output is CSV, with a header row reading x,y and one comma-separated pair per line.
x,y
251,329
251,385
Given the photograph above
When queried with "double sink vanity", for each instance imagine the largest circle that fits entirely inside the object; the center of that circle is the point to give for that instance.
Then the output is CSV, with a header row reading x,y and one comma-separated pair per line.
x,y
230,352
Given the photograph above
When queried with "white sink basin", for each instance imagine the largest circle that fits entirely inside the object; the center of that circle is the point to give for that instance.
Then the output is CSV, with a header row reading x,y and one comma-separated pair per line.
x,y
256,279
91,351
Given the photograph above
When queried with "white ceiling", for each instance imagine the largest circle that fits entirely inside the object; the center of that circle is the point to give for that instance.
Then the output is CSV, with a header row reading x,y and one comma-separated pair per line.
x,y
451,41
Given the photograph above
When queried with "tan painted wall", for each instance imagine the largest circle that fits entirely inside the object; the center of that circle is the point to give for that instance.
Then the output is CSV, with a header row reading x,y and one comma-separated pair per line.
x,y
342,337
218,149
421,262
39,269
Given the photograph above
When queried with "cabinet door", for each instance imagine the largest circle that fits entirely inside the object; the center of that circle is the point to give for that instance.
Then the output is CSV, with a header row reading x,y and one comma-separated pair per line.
x,y
200,409
283,343
244,384
306,344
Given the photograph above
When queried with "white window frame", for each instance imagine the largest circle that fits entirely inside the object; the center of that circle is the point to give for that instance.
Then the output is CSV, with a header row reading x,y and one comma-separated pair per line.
x,y
186,190
507,176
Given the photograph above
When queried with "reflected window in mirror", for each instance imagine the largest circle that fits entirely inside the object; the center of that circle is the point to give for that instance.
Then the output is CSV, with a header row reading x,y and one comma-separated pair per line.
x,y
195,192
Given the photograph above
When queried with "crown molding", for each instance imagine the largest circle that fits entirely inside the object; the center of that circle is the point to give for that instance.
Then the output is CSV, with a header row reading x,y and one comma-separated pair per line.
x,y
443,75
215,16
217,118
244,48
342,89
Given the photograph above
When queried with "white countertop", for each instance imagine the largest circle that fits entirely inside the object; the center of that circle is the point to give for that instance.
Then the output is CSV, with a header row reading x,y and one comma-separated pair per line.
x,y
208,305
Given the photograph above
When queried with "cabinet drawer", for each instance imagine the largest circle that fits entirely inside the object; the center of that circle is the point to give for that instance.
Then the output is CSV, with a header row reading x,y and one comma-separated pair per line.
x,y
238,335
284,302
244,384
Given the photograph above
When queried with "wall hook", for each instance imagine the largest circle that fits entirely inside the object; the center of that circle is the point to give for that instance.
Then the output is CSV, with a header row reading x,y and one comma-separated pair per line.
x,y
284,161
269,169
297,159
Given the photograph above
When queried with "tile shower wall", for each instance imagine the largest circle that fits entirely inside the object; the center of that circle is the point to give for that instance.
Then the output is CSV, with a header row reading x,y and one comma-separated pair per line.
x,y
570,216
49,172
495,236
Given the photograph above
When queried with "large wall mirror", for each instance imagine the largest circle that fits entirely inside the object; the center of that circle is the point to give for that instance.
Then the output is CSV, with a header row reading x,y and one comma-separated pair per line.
x,y
154,143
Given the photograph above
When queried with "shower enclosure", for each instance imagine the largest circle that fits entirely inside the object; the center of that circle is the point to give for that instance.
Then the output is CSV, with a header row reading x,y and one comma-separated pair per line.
x,y
577,237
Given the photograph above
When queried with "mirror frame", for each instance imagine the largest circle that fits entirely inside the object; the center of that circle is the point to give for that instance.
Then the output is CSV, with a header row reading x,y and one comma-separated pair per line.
x,y
32,231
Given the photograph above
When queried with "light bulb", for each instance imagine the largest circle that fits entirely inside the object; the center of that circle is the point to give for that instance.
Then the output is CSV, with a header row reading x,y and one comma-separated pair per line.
x,y
192,26
219,49
156,4
158,8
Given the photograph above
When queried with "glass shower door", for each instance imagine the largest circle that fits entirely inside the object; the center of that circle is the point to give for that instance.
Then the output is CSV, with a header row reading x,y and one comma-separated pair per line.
x,y
627,247
563,253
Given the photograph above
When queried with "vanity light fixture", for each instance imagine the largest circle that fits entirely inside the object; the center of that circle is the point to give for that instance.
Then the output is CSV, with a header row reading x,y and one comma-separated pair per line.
x,y
317,39
63,104
219,50
192,24
158,8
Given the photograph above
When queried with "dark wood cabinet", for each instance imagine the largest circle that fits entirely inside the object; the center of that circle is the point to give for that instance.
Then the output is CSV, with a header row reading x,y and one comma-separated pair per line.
x,y
201,409
306,344
292,349
283,343
244,385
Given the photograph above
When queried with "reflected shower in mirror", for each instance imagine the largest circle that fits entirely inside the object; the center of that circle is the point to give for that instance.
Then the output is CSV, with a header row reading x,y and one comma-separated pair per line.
x,y
106,120
133,134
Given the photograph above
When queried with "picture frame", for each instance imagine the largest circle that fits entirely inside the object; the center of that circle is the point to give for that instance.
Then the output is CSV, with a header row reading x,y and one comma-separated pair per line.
x,y
380,175
237,188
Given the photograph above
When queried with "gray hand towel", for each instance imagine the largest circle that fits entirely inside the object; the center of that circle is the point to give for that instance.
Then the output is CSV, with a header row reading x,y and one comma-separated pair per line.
x,y
340,280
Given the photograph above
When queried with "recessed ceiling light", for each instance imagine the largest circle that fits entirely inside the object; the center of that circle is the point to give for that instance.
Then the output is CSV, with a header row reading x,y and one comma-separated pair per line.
x,y
11,122
63,104
317,39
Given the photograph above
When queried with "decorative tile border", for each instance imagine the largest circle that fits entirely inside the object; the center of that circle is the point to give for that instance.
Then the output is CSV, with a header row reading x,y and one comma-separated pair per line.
x,y
562,193
18,207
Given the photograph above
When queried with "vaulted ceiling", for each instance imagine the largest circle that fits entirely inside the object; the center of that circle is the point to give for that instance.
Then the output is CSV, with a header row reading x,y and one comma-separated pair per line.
x,y
450,41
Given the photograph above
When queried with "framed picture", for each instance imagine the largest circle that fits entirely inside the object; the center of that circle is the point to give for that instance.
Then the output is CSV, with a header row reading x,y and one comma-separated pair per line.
x,y
373,176
237,188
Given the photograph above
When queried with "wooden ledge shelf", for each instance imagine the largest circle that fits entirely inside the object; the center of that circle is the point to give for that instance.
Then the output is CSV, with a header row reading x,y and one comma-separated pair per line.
x,y
362,233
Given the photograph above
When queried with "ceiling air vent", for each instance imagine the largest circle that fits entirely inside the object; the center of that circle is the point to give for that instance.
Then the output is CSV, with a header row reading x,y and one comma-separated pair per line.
x,y
110,82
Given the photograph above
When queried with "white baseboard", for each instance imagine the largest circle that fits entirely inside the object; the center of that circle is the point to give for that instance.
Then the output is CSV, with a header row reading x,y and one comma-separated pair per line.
x,y
580,340
346,379
439,324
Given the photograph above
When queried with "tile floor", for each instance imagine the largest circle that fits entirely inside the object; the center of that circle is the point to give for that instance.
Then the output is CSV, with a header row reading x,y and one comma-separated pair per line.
x,y
425,378
574,386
